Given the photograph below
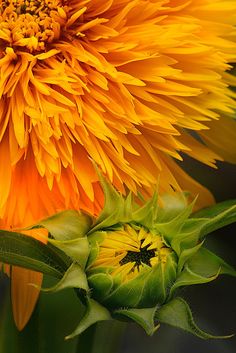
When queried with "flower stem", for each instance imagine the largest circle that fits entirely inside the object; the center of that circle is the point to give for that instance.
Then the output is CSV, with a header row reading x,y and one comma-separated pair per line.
x,y
104,337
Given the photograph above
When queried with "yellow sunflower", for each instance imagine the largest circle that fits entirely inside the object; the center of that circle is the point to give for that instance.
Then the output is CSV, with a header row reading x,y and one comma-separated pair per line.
x,y
121,82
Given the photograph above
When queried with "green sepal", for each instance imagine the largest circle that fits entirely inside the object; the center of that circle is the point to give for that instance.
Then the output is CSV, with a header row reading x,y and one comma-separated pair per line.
x,y
101,283
158,281
128,294
149,288
185,240
74,277
95,312
185,255
216,216
188,278
94,251
94,240
206,264
147,214
172,228
178,314
76,249
24,251
171,206
66,225
114,210
143,317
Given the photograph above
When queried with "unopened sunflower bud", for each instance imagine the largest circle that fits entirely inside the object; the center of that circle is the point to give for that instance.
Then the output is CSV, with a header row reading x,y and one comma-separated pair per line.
x,y
131,261
136,265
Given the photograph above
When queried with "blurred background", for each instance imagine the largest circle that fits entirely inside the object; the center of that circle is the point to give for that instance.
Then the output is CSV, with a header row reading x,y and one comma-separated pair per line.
x,y
213,304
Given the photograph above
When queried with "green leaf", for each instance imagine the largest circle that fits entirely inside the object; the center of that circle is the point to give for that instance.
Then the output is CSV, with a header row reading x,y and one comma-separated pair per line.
x,y
216,216
74,277
206,264
214,210
95,313
21,250
178,314
67,225
143,317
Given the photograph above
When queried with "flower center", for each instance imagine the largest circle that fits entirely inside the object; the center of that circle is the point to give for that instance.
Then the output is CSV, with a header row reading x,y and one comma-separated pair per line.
x,y
127,251
31,24
143,256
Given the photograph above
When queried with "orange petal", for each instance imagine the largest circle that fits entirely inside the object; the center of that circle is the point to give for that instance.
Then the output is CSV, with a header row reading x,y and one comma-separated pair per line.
x,y
24,296
187,183
221,137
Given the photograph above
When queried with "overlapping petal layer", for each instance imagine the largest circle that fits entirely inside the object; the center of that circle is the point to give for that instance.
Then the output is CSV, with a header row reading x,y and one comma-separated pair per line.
x,y
123,83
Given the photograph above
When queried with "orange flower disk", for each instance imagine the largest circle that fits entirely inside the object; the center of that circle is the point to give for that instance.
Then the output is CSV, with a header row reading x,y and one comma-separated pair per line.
x,y
121,82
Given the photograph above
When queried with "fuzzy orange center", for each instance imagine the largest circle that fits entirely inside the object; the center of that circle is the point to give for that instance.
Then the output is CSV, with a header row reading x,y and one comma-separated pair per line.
x,y
31,24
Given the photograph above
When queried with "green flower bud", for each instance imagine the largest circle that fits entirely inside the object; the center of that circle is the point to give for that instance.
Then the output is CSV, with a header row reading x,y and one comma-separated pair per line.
x,y
130,262
134,268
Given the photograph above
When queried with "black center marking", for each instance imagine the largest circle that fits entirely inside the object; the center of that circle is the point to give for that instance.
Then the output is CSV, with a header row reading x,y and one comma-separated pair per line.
x,y
143,256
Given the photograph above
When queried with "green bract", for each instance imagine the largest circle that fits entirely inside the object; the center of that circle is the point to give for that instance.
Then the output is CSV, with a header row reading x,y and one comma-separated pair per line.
x,y
131,261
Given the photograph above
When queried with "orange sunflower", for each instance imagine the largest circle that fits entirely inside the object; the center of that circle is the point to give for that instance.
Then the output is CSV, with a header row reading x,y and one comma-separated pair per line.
x,y
121,82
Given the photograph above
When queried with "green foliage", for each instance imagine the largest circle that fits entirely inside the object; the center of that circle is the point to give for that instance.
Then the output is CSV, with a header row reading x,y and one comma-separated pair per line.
x,y
21,250
148,298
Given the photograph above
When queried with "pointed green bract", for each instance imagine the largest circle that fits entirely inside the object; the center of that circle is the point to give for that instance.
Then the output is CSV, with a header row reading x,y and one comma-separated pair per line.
x,y
114,207
102,284
128,294
178,314
185,255
172,228
171,206
74,277
94,313
188,278
77,249
156,286
143,317
67,225
147,214
206,264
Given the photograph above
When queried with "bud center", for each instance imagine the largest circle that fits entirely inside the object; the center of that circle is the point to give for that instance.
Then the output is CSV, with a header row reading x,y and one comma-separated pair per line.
x,y
143,256
127,251
31,24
